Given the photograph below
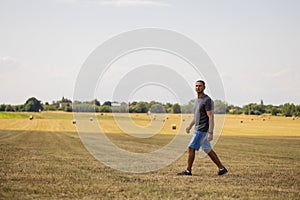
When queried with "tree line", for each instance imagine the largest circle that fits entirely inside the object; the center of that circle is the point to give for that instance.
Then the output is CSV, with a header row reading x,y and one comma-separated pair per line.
x,y
220,107
286,109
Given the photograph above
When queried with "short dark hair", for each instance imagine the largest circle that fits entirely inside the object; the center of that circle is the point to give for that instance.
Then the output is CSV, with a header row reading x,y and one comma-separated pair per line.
x,y
201,81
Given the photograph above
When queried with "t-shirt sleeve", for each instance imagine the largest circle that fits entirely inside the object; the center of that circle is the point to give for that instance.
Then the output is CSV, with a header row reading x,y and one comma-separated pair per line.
x,y
209,105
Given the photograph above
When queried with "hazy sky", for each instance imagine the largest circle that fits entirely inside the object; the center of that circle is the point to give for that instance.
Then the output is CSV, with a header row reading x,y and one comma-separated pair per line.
x,y
254,44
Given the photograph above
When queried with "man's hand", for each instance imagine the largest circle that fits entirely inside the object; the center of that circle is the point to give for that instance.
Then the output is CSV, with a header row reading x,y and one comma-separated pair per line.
x,y
188,129
210,136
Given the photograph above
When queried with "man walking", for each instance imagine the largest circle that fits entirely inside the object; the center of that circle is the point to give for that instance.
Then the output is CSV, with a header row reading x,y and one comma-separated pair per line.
x,y
203,132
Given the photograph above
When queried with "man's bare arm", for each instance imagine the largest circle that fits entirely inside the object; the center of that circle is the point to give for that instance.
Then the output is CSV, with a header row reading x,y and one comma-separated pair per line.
x,y
211,124
190,126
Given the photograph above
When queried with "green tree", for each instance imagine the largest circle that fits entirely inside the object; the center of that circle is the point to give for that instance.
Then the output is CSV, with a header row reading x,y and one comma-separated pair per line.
x,y
107,103
83,107
274,111
2,107
141,107
157,108
9,108
54,105
105,108
65,100
251,109
96,102
33,105
220,107
132,106
19,108
288,109
188,108
297,110
176,108
68,108
168,107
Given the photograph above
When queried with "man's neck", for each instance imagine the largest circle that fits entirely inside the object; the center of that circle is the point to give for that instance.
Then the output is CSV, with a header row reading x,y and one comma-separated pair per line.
x,y
200,95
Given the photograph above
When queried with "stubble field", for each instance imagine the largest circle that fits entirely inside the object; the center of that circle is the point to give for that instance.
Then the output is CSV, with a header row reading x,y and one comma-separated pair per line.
x,y
44,158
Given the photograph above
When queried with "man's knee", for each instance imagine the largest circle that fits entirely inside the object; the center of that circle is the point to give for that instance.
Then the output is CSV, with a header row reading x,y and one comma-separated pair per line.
x,y
207,150
191,150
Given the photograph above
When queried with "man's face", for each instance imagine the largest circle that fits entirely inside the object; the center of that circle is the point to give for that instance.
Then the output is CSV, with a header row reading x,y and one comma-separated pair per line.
x,y
199,87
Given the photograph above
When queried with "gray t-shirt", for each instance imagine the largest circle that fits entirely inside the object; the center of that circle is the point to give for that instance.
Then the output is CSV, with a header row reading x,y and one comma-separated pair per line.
x,y
202,105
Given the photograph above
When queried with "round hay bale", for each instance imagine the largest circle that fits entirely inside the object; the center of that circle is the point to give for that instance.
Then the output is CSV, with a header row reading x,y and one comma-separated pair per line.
x,y
242,121
30,117
264,119
73,121
173,126
91,119
183,120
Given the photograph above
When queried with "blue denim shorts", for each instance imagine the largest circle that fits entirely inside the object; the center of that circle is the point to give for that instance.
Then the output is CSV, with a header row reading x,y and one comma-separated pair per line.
x,y
198,140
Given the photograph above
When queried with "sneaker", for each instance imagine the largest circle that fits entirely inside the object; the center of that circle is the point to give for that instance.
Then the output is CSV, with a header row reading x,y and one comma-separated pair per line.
x,y
222,171
185,173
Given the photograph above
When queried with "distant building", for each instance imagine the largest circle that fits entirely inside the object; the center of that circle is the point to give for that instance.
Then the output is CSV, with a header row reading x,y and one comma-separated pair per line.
x,y
64,104
115,104
123,104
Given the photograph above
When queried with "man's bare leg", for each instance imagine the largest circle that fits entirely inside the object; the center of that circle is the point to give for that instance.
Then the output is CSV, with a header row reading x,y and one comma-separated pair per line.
x,y
213,156
191,158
